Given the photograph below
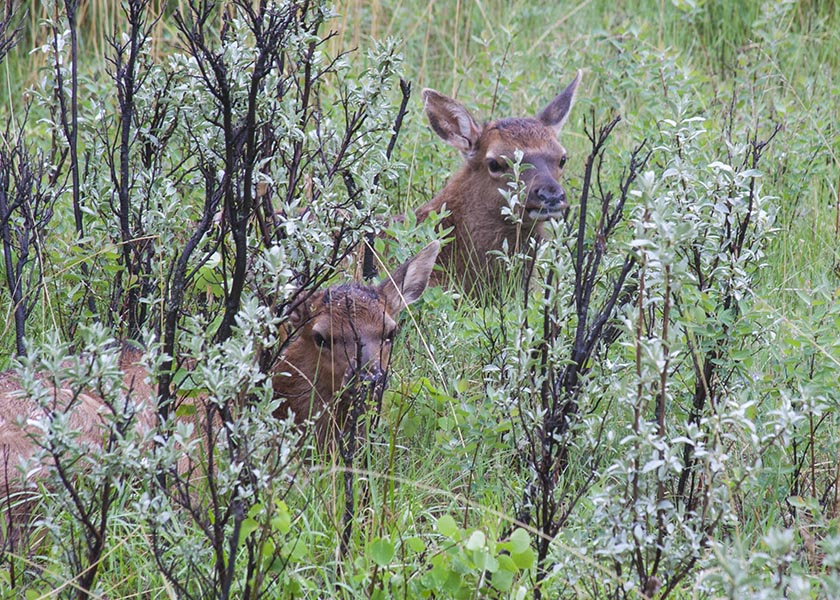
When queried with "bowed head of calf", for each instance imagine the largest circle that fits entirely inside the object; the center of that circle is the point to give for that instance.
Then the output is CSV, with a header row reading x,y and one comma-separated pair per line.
x,y
342,343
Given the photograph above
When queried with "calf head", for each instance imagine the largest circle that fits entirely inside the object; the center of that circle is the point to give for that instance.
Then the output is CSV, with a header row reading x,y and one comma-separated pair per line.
x,y
343,340
490,149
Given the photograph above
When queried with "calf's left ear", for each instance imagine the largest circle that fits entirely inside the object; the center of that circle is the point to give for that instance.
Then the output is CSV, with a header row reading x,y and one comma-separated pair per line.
x,y
555,114
408,281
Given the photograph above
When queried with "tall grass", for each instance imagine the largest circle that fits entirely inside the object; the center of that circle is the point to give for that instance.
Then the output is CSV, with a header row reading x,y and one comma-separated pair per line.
x,y
98,21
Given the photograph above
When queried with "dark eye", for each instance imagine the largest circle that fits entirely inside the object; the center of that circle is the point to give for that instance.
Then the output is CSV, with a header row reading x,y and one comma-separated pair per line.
x,y
320,340
563,161
496,166
389,337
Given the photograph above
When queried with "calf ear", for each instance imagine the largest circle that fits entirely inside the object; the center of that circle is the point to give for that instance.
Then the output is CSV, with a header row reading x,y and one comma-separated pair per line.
x,y
407,283
300,312
451,121
555,114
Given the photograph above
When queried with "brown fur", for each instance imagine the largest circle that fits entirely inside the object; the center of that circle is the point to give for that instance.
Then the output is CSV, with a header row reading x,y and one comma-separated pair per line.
x,y
86,416
472,194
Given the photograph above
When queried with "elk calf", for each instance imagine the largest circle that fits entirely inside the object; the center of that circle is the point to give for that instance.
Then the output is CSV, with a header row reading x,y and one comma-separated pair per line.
x,y
343,343
472,194
343,340
343,337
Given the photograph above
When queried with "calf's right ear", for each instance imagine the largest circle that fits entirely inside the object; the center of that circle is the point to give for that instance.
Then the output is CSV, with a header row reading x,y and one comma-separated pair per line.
x,y
407,283
451,121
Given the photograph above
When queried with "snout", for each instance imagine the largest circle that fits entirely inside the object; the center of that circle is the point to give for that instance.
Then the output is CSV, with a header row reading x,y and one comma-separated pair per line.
x,y
546,200
370,375
368,366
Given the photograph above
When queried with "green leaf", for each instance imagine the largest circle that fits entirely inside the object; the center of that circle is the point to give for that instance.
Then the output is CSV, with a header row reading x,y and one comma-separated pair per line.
x,y
477,540
506,563
523,560
415,544
520,541
293,588
502,580
208,278
485,561
295,549
796,501
452,583
382,551
282,520
248,526
447,526
185,410
438,575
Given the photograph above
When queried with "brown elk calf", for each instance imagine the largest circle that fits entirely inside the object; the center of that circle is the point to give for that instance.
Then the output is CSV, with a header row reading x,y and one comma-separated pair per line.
x,y
86,415
343,338
343,341
472,194
85,410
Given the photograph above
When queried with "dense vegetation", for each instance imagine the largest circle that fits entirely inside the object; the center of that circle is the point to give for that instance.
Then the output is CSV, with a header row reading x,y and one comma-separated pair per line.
x,y
657,416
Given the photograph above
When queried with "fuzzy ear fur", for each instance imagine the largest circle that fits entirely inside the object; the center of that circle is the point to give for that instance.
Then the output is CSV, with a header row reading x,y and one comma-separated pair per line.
x,y
451,121
555,114
300,313
407,283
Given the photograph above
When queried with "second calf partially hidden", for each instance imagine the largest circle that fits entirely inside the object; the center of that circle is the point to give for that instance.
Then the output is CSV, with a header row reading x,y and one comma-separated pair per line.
x,y
342,346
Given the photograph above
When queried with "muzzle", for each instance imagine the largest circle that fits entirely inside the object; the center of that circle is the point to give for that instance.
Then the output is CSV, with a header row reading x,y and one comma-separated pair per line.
x,y
546,200
367,378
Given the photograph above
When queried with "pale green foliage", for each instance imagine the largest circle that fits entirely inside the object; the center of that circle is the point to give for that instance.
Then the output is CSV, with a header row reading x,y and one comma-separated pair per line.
x,y
694,289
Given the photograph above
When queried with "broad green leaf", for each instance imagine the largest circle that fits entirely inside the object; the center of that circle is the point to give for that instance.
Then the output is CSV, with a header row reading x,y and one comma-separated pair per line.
x,y
502,580
519,541
295,549
524,560
282,520
382,551
248,526
506,563
415,544
477,540
447,526
485,561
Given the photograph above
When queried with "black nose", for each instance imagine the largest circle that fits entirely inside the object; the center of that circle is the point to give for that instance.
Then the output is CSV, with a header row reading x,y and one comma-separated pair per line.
x,y
552,196
368,375
373,375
